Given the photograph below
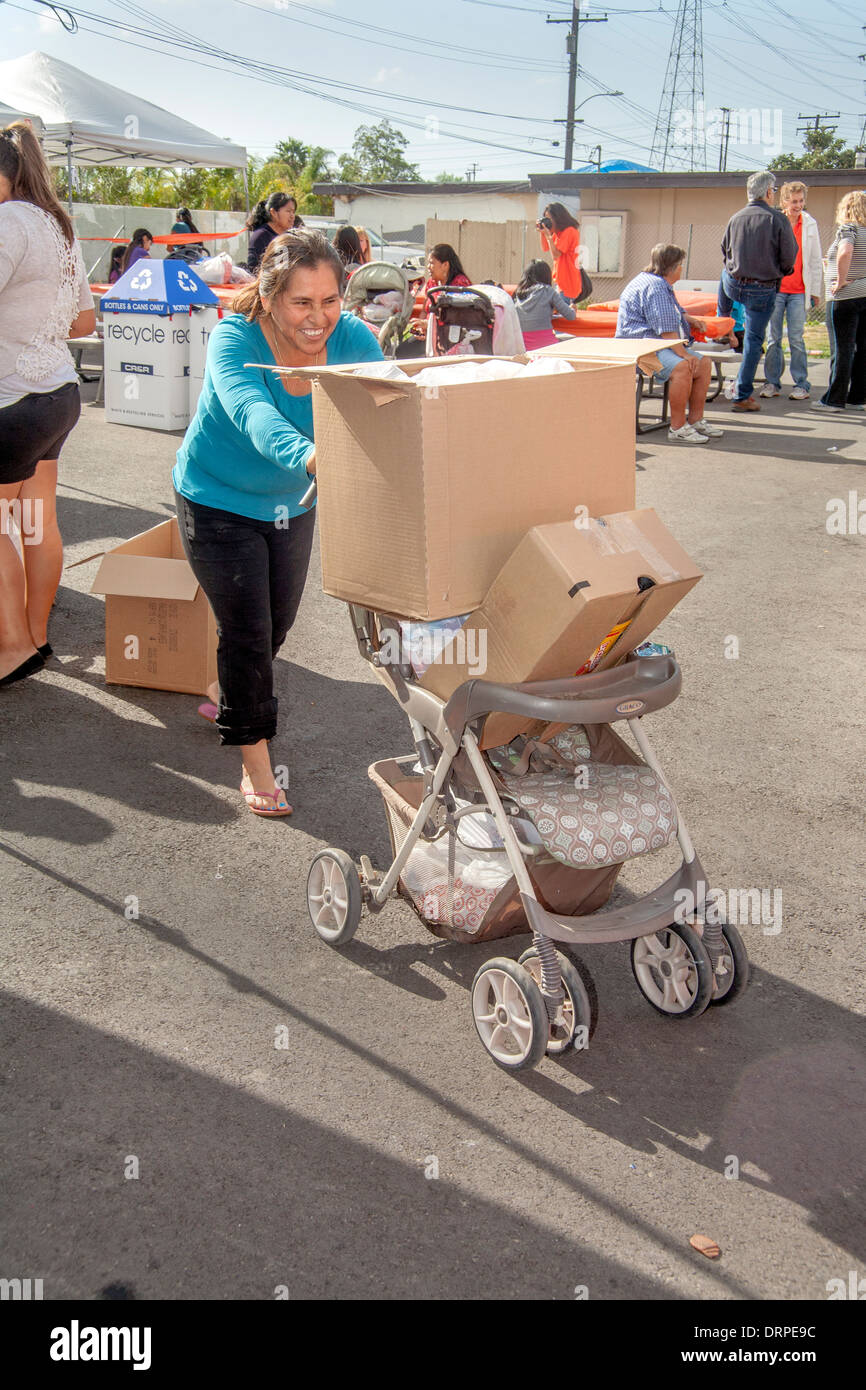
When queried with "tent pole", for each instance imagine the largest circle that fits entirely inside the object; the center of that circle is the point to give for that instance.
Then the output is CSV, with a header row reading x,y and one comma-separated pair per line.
x,y
246,190
69,175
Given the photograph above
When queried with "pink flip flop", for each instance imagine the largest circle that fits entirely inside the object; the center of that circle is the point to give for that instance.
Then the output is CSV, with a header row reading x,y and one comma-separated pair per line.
x,y
208,711
274,796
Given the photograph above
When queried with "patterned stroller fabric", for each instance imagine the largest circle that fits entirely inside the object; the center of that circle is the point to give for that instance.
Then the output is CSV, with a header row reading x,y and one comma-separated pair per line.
x,y
588,814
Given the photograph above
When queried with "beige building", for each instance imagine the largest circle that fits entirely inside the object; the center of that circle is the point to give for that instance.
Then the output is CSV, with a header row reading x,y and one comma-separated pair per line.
x,y
622,216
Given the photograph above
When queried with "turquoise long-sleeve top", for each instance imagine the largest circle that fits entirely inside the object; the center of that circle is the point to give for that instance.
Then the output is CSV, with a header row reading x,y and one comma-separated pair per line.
x,y
247,447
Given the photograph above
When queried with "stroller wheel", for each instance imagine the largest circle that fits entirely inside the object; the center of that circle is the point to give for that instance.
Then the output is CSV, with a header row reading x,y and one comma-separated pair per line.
x,y
577,1008
334,896
509,1013
733,976
673,971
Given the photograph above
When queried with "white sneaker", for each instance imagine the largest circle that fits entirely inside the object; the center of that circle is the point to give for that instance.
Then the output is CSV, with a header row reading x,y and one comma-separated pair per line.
x,y
704,427
799,393
769,391
686,434
828,409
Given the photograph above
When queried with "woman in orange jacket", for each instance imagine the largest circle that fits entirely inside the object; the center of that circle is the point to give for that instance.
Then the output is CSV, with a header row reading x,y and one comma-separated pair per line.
x,y
560,235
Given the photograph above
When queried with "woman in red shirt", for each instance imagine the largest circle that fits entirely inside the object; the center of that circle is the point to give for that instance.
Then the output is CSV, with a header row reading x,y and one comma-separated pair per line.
x,y
560,235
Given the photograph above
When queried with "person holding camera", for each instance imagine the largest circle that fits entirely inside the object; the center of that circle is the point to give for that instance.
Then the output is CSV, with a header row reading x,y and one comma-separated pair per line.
x,y
560,237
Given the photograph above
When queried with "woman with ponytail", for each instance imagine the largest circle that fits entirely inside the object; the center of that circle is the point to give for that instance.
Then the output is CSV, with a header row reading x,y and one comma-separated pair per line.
x,y
44,299
137,250
245,464
270,218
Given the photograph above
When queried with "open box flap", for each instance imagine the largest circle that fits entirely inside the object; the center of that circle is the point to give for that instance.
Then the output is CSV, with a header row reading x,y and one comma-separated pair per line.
x,y
639,351
144,576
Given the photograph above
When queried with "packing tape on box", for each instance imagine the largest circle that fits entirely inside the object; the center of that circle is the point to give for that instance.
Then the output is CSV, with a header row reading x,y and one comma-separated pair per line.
x,y
618,534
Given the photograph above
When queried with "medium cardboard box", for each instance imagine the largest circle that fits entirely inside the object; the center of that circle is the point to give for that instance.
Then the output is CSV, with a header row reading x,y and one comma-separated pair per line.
x,y
424,492
565,592
147,370
159,629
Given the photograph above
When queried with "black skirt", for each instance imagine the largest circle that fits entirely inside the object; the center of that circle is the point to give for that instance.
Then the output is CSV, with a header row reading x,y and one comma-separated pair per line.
x,y
36,428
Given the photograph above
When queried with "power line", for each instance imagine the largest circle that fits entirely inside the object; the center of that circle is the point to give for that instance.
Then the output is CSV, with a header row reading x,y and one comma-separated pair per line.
x,y
475,58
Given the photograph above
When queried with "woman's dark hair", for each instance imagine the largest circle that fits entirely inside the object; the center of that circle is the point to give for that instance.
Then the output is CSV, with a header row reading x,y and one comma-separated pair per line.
x,y
23,163
137,240
560,216
303,250
261,213
664,258
114,260
183,215
536,273
347,244
444,252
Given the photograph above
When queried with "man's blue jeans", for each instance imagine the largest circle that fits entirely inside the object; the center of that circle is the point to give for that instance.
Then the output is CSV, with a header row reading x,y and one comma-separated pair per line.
x,y
794,306
758,304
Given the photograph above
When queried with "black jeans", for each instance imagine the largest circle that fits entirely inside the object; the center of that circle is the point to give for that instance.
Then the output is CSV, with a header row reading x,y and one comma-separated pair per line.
x,y
846,321
253,573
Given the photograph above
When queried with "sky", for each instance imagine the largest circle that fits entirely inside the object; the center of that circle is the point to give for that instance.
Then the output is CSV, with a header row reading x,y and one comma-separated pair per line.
x,y
503,63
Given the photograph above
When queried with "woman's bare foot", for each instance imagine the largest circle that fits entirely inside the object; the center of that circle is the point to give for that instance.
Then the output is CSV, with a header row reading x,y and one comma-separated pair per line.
x,y
213,693
258,783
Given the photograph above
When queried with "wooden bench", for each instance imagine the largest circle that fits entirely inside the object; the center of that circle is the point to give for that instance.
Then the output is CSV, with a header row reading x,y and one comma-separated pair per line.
x,y
91,343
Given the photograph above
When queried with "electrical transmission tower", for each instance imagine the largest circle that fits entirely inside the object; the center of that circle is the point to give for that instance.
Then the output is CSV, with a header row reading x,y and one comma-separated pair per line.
x,y
680,139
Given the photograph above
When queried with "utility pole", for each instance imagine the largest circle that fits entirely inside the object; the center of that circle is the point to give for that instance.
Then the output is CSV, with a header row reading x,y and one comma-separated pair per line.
x,y
726,135
571,48
819,122
471,172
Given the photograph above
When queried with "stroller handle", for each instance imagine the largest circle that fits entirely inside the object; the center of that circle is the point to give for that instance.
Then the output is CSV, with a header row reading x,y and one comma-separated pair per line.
x,y
602,697
309,496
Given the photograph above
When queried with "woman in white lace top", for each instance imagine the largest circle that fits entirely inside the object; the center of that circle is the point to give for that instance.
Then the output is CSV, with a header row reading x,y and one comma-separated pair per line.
x,y
44,299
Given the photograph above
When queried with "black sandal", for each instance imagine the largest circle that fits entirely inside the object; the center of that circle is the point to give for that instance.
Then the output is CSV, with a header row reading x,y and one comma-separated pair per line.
x,y
27,668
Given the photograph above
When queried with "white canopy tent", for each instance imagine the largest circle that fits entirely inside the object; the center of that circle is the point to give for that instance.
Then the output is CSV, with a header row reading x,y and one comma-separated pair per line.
x,y
89,122
8,114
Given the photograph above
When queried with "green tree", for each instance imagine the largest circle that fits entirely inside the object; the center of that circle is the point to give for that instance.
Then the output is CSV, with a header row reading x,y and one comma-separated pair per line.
x,y
377,157
823,150
445,177
293,153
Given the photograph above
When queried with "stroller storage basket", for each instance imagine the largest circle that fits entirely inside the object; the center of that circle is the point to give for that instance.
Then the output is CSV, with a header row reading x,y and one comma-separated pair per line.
x,y
468,894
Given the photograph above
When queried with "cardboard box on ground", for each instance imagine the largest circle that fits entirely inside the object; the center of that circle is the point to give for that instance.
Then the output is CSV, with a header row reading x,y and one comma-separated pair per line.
x,y
572,595
424,492
160,632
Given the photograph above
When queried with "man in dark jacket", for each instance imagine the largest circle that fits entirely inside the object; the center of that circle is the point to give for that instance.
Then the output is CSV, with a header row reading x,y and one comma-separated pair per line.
x,y
760,249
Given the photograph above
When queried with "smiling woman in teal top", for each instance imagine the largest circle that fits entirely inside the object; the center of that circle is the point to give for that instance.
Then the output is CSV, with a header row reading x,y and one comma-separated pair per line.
x,y
244,465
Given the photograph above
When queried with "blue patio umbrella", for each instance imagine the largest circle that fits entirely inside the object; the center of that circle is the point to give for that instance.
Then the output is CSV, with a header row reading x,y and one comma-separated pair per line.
x,y
158,287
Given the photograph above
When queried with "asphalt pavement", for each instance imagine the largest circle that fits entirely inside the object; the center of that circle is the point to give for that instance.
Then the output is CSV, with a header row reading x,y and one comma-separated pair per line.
x,y
160,1145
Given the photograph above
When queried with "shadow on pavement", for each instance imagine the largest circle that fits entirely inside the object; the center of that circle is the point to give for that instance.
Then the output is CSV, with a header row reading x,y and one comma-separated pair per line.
x,y
237,1196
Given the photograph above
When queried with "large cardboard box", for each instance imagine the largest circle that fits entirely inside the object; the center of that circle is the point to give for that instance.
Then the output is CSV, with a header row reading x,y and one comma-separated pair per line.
x,y
147,370
424,492
567,596
159,629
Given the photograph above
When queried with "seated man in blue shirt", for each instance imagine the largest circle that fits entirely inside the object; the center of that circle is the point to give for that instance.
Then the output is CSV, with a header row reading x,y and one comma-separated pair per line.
x,y
648,308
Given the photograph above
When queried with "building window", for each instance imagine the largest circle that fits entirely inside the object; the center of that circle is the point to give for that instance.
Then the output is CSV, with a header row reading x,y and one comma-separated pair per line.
x,y
602,242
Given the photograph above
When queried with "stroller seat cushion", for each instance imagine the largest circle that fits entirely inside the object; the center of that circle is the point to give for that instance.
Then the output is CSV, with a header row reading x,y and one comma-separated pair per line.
x,y
623,811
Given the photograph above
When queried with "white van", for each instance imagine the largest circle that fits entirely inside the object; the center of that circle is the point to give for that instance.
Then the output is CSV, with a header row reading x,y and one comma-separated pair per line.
x,y
395,253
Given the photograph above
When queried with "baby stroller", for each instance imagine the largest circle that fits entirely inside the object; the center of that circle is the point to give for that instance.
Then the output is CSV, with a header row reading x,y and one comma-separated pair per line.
x,y
460,321
554,816
379,294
